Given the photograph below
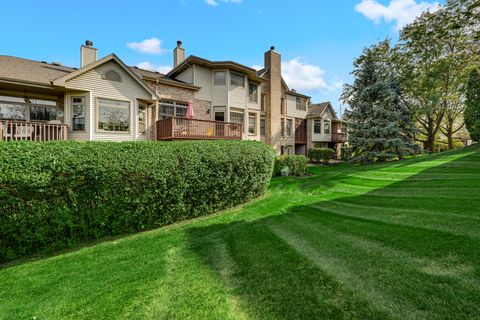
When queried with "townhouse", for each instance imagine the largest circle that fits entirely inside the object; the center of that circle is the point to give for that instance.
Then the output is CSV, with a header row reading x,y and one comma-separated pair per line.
x,y
107,100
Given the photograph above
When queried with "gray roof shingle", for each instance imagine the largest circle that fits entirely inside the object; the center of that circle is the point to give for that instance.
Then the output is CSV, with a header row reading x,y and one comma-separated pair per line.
x,y
20,69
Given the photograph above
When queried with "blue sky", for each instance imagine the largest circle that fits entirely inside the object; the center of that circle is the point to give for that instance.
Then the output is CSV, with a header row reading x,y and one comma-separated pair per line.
x,y
318,39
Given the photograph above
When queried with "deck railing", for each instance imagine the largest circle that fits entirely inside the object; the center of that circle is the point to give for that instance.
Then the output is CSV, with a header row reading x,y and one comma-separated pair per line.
x,y
31,131
196,129
339,137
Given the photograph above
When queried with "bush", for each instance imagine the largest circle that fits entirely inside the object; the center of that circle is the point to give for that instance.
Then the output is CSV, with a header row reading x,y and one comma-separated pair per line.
x,y
321,154
296,164
346,152
56,195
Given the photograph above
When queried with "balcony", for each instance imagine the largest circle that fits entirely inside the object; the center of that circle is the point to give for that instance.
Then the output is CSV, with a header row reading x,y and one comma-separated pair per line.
x,y
195,129
32,131
340,137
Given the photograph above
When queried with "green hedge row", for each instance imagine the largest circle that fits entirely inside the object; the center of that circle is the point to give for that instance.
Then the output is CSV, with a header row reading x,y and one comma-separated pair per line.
x,y
56,195
297,165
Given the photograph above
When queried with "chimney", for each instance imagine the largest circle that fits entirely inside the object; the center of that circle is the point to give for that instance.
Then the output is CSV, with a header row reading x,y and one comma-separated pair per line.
x,y
273,95
178,54
88,54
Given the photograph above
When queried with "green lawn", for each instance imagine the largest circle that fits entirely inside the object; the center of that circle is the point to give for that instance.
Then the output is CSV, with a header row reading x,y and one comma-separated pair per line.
x,y
392,241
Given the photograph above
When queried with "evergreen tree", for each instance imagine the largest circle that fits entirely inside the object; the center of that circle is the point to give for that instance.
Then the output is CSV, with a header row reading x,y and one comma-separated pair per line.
x,y
380,126
472,110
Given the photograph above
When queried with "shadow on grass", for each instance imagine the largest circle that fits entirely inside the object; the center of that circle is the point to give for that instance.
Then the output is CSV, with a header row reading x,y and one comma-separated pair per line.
x,y
405,251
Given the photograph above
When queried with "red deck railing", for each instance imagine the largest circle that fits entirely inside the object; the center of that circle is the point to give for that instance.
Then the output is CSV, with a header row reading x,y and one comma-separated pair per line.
x,y
196,129
32,131
339,137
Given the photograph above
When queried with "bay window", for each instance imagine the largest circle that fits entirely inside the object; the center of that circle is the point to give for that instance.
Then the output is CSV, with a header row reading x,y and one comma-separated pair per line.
x,y
253,93
326,127
317,126
237,79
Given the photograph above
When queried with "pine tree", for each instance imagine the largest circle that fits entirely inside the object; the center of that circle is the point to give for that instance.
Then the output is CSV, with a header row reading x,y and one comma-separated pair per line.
x,y
472,110
380,126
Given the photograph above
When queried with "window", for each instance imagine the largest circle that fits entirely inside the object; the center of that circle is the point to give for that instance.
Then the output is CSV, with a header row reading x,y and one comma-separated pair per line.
x,y
112,75
142,117
282,124
43,113
326,126
78,113
181,109
236,117
253,93
172,109
252,123
220,116
237,79
219,78
282,106
263,102
289,127
300,104
262,127
113,115
12,111
317,126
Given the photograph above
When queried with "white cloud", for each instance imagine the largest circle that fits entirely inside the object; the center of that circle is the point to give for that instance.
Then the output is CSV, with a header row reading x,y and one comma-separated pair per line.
x,y
257,67
306,77
402,12
215,3
151,46
149,66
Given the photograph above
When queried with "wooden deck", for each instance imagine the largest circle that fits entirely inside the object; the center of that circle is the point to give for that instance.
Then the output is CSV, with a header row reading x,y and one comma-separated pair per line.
x,y
195,129
31,131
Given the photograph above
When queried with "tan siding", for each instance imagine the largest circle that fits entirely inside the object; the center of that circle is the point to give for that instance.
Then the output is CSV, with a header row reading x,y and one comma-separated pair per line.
x,y
237,97
292,110
127,90
186,76
203,79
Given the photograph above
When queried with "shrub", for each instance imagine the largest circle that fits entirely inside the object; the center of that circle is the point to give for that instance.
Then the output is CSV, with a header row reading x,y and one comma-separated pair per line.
x,y
346,152
56,195
297,165
321,154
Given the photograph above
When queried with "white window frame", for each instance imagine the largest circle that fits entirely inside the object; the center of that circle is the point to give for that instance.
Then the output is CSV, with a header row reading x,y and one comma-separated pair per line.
x,y
72,105
97,113
320,126
253,98
327,123
224,78
144,112
237,75
254,117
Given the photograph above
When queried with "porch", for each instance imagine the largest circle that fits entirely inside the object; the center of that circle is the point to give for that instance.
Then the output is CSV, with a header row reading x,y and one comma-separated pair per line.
x,y
32,131
175,128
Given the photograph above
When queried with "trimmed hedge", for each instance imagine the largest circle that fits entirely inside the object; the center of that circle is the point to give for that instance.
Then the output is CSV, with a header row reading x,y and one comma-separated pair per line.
x,y
57,195
297,165
321,154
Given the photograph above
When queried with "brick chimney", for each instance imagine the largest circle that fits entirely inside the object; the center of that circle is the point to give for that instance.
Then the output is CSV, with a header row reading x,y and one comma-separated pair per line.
x,y
273,61
178,54
88,54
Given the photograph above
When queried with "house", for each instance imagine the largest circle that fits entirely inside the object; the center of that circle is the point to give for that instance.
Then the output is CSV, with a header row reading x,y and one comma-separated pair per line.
x,y
102,100
324,129
107,100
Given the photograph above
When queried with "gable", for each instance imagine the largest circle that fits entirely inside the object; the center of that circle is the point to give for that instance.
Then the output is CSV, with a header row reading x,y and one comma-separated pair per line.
x,y
102,79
